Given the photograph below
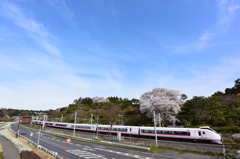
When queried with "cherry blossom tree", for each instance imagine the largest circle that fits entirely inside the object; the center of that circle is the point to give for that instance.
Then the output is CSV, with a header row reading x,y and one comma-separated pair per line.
x,y
163,101
100,100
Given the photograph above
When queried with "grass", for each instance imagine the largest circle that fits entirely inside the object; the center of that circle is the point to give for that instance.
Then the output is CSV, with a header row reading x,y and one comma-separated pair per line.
x,y
153,149
39,152
1,152
227,141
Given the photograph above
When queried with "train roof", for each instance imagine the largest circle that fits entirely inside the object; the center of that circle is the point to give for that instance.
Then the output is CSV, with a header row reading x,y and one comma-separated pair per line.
x,y
169,128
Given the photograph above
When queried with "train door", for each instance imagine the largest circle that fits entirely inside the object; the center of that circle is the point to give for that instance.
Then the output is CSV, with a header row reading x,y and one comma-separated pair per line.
x,y
201,134
130,130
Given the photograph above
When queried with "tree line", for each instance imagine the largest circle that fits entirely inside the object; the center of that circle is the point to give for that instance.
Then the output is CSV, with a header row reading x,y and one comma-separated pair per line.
x,y
220,109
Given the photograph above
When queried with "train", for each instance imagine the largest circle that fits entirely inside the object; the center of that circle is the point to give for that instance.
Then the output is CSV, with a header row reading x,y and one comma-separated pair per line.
x,y
201,134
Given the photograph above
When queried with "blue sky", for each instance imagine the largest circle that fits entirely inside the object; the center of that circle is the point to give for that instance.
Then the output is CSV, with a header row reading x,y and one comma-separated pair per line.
x,y
53,52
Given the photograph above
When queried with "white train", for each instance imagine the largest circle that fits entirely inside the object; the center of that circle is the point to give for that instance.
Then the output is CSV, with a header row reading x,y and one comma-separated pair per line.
x,y
198,134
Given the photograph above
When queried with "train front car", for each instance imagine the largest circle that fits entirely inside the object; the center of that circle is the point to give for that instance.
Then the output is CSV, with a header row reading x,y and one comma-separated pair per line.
x,y
208,133
203,134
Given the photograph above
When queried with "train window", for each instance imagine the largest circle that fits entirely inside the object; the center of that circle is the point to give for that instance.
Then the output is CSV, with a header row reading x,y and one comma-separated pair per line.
x,y
60,125
204,132
144,131
130,129
199,133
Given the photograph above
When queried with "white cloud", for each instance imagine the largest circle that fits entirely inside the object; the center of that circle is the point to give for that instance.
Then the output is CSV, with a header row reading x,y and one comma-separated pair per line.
x,y
227,10
204,39
226,14
233,8
34,29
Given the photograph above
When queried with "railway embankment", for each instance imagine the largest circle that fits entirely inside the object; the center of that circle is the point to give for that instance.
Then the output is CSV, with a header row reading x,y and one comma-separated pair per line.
x,y
186,150
141,142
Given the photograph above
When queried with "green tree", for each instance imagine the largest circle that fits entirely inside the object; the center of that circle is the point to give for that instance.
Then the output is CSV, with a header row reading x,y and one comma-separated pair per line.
x,y
87,101
183,97
228,91
194,111
216,110
237,86
1,113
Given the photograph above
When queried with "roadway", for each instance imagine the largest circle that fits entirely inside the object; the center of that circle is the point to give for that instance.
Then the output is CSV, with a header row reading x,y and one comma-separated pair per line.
x,y
85,150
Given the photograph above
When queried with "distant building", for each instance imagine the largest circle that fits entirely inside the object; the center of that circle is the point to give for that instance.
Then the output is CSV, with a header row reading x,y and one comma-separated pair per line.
x,y
40,115
26,119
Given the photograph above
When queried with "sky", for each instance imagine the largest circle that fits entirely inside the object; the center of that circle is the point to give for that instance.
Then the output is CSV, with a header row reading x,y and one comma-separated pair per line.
x,y
53,52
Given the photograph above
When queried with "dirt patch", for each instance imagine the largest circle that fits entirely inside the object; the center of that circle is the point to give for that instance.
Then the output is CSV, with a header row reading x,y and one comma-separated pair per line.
x,y
29,155
1,150
42,154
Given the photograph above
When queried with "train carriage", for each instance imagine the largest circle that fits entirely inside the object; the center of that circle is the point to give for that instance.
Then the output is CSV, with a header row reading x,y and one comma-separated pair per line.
x,y
85,127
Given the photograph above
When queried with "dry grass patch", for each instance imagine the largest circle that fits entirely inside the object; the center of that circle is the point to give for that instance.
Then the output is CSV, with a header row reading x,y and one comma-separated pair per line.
x,y
1,152
39,152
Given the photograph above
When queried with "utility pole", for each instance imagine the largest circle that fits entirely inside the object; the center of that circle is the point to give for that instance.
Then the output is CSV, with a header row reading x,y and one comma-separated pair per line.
x,y
97,126
61,118
91,119
74,124
154,118
92,127
39,134
32,119
45,118
19,118
159,120
120,119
